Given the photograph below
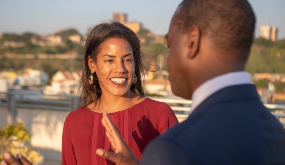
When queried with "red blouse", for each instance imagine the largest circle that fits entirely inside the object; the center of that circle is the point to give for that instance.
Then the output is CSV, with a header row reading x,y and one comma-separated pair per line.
x,y
83,132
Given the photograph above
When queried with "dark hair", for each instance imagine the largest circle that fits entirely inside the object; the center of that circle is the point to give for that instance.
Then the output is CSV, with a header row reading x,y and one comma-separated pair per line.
x,y
228,23
96,37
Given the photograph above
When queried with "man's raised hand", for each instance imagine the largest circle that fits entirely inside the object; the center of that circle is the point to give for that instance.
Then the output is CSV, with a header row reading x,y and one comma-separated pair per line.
x,y
122,154
11,160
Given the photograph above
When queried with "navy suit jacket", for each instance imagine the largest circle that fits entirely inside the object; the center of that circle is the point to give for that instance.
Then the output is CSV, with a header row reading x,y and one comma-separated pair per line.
x,y
231,126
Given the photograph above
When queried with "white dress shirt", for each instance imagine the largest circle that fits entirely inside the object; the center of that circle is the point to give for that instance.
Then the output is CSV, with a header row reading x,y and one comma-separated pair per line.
x,y
217,83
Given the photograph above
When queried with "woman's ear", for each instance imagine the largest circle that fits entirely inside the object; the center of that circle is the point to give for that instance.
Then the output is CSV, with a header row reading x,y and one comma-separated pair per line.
x,y
91,65
194,36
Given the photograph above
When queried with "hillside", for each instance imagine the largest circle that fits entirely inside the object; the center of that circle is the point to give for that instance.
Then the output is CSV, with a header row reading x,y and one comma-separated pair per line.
x,y
267,56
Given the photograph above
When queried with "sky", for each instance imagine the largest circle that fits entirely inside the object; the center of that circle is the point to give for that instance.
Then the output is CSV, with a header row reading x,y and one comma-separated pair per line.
x,y
48,16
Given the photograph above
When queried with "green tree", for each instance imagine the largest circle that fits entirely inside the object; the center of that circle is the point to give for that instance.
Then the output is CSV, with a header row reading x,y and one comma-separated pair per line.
x,y
260,83
69,45
26,37
279,86
66,33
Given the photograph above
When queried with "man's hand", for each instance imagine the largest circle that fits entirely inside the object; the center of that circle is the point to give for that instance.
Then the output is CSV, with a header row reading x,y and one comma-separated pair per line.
x,y
122,154
11,160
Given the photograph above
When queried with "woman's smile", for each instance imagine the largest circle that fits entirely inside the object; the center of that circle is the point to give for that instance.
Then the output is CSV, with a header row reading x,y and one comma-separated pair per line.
x,y
120,81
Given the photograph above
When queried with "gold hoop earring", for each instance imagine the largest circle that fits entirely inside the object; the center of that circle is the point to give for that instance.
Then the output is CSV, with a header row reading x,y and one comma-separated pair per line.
x,y
135,79
90,79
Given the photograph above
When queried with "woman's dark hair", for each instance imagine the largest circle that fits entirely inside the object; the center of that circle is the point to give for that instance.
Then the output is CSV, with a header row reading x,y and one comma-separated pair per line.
x,y
97,36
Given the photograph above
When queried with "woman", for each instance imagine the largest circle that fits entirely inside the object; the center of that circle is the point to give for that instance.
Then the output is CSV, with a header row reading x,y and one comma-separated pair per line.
x,y
112,81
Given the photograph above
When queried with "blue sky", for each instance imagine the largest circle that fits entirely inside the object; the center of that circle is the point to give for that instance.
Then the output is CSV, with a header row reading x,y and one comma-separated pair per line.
x,y
47,16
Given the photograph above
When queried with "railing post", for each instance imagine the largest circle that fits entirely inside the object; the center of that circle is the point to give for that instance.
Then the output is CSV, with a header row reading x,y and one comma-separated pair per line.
x,y
71,103
12,106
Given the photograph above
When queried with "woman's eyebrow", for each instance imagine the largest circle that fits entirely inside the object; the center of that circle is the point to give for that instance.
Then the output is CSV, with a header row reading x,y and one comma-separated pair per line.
x,y
129,54
108,55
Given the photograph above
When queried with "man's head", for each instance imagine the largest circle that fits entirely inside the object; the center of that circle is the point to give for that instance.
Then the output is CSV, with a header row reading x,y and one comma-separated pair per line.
x,y
207,38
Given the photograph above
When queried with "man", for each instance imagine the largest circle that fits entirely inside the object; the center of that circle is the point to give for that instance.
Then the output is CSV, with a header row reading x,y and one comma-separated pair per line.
x,y
209,43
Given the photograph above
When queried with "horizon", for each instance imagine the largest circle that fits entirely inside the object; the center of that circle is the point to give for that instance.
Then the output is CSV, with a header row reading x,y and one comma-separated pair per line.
x,y
48,16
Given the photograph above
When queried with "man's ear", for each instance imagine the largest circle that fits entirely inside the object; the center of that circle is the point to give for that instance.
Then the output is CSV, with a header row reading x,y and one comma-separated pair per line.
x,y
194,36
91,65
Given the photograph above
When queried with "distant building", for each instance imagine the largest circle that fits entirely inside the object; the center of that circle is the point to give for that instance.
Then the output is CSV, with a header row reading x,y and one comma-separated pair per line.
x,y
159,85
269,76
274,32
13,44
123,19
134,26
8,76
4,84
63,82
75,38
31,77
54,39
269,32
120,17
27,77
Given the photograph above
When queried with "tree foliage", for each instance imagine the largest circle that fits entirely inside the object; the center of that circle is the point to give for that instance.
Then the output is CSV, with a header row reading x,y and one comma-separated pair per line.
x,y
267,56
66,33
279,86
261,83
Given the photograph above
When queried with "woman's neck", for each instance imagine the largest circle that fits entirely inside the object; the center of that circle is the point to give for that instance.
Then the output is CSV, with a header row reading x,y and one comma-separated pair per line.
x,y
112,103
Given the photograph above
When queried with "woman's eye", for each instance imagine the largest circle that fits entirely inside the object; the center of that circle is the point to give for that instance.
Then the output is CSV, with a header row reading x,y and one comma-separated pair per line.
x,y
129,60
108,60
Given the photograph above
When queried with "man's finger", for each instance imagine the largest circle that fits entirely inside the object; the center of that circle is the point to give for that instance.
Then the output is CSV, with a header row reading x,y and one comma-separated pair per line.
x,y
11,159
23,159
106,126
111,125
112,141
3,162
109,134
108,155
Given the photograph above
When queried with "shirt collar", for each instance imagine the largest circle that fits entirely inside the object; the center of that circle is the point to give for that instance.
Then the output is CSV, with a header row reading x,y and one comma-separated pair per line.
x,y
217,83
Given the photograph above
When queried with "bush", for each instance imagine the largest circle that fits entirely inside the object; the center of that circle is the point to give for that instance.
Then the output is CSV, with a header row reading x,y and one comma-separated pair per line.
x,y
13,138
279,86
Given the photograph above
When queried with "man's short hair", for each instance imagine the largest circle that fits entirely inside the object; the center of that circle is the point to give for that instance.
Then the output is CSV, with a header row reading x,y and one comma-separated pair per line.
x,y
228,23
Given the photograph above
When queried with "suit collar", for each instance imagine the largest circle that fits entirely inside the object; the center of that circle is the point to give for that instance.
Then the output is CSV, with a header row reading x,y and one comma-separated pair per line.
x,y
217,83
228,94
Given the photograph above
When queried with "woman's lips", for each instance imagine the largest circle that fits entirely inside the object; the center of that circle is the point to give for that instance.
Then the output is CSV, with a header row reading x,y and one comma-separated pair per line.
x,y
119,81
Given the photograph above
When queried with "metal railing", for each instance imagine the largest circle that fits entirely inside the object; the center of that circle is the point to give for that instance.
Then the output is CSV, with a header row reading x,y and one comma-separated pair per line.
x,y
14,100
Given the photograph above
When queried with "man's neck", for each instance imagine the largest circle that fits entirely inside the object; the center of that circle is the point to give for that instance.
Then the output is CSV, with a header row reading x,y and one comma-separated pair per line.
x,y
210,73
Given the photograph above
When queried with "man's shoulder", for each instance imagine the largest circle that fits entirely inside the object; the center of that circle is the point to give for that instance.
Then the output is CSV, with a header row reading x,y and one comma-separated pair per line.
x,y
227,128
164,152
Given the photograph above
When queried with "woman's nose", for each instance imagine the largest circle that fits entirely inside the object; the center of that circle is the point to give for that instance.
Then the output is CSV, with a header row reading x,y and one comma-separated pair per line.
x,y
120,67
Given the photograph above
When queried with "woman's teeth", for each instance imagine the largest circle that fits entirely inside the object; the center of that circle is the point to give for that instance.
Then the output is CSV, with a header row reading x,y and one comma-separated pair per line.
x,y
118,80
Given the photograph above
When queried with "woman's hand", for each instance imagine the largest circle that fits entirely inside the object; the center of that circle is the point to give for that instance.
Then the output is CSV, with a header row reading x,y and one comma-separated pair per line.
x,y
122,154
11,160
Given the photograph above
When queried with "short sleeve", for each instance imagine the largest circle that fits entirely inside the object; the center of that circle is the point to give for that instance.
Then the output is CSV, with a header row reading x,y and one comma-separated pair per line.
x,y
68,155
163,152
167,118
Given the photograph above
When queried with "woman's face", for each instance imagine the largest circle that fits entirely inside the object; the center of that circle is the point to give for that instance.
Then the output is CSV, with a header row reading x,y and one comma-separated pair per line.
x,y
115,67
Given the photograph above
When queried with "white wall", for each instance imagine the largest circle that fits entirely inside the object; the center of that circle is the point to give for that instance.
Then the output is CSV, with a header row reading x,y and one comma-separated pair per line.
x,y
45,127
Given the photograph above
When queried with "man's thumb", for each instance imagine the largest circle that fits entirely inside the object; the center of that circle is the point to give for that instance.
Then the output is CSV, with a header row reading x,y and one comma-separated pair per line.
x,y
108,155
